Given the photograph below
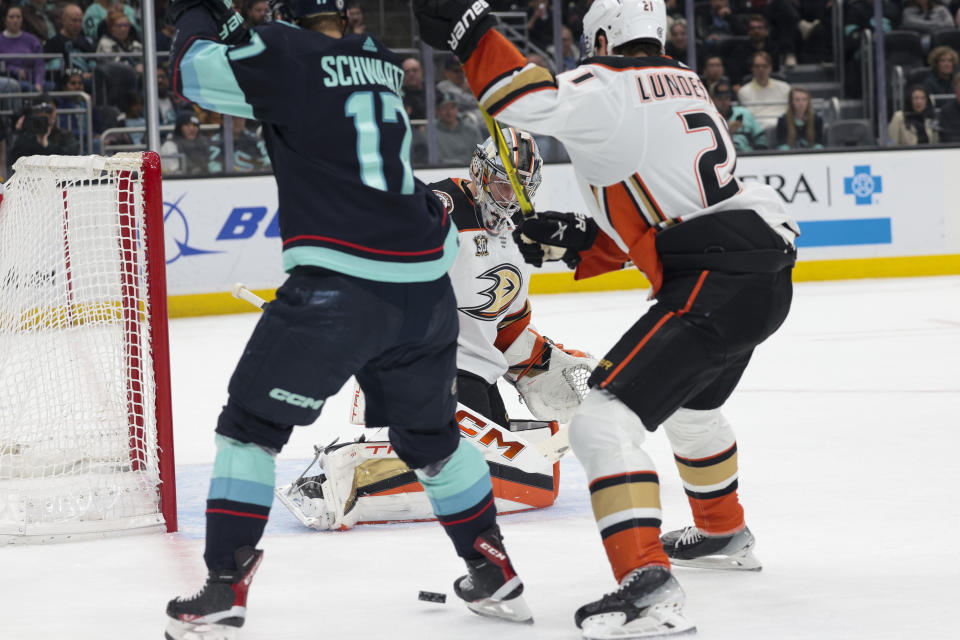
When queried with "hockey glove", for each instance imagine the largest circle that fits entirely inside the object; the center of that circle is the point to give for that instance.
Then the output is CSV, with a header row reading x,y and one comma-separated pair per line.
x,y
230,27
555,236
453,25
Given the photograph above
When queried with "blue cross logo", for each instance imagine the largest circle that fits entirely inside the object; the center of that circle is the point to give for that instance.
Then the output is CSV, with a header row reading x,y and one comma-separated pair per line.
x,y
862,185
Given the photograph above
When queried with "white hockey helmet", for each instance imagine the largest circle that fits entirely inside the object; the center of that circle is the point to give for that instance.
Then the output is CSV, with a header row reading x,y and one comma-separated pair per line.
x,y
496,200
622,21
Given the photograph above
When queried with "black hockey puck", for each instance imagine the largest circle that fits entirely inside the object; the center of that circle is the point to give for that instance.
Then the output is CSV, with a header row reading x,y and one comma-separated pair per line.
x,y
433,596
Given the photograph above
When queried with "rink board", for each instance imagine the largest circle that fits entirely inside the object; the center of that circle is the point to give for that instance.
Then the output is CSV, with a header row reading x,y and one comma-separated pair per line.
x,y
880,214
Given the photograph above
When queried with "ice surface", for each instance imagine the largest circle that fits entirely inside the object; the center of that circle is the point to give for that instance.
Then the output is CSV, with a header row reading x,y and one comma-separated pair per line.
x,y
848,424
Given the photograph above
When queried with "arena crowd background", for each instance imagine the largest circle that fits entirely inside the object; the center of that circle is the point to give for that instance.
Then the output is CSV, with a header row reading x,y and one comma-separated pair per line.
x,y
789,76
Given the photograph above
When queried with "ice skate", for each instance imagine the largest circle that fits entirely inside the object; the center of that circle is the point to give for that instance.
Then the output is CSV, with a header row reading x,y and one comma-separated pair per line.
x,y
492,588
218,610
691,547
649,603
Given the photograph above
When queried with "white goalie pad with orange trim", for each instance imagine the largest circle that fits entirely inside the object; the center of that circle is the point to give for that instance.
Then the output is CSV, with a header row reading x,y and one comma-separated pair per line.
x,y
364,482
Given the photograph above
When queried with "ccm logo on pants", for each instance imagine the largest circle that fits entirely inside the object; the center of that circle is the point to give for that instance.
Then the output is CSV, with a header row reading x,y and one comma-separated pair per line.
x,y
296,400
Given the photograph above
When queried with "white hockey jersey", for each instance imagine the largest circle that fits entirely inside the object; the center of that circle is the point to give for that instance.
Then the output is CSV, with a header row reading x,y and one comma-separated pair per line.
x,y
490,280
647,145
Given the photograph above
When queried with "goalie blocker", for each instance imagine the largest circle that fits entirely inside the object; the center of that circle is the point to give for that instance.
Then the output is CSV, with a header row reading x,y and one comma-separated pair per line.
x,y
364,482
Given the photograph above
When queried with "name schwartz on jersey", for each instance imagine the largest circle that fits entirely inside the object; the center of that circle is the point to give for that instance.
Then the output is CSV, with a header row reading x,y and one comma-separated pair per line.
x,y
349,71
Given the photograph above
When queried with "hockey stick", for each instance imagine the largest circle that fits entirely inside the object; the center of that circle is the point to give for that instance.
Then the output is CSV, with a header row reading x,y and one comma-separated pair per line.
x,y
504,154
240,292
552,448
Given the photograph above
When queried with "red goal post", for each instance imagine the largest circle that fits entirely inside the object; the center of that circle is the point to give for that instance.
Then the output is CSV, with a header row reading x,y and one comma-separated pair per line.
x,y
86,442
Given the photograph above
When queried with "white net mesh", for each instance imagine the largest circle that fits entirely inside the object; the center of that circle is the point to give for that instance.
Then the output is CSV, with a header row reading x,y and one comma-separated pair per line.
x,y
78,435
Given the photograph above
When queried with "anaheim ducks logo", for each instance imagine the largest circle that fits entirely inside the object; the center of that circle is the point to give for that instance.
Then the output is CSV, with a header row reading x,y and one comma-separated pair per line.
x,y
445,199
507,284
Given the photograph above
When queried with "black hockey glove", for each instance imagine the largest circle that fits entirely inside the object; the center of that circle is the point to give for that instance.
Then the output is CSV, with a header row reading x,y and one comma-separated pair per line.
x,y
453,25
230,27
555,236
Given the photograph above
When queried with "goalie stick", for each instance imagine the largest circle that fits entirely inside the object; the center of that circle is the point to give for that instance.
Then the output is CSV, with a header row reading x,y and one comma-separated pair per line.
x,y
552,448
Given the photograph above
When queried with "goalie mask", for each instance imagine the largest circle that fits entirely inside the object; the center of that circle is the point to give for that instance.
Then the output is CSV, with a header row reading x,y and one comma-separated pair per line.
x,y
496,200
623,21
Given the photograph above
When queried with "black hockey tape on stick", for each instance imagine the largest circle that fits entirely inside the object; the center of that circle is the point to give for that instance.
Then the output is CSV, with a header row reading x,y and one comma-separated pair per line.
x,y
433,596
504,154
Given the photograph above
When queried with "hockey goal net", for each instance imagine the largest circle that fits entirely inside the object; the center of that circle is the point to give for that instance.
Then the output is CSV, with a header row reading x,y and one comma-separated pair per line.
x,y
86,447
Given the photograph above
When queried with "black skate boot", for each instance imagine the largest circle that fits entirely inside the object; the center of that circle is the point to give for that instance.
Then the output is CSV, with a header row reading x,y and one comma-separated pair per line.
x,y
648,603
217,611
492,587
691,547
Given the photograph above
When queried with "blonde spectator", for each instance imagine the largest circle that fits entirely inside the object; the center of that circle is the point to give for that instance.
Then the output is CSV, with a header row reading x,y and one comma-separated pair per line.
x,y
765,97
943,62
915,124
800,127
119,39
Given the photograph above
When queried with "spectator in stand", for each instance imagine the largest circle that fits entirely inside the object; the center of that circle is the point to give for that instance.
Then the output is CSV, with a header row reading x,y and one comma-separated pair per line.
x,y
943,62
949,122
676,46
800,127
249,151
456,136
255,12
455,84
97,12
926,16
713,73
783,16
186,151
37,134
70,80
714,22
414,93
747,135
915,123
119,39
168,103
570,51
36,19
131,107
68,41
765,97
758,31
355,19
14,40
539,23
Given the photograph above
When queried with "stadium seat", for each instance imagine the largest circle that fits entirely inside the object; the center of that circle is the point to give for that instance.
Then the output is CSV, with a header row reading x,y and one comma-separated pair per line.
x,y
111,80
917,76
946,37
850,133
903,48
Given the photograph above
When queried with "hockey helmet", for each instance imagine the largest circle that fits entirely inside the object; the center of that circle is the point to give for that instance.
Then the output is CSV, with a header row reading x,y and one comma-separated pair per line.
x,y
297,9
623,21
496,199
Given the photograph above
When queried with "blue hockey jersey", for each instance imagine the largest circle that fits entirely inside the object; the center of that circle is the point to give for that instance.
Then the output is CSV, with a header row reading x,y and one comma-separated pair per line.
x,y
339,141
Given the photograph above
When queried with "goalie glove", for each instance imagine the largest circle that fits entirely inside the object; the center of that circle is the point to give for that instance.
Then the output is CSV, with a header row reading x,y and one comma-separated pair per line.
x,y
229,23
551,380
552,235
453,25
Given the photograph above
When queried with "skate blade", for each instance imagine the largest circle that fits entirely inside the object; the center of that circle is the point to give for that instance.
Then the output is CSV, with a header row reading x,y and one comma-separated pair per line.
x,y
177,630
741,561
513,610
657,624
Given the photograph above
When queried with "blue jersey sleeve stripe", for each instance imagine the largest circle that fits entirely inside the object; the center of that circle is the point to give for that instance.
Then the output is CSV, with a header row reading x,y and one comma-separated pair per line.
x,y
208,80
